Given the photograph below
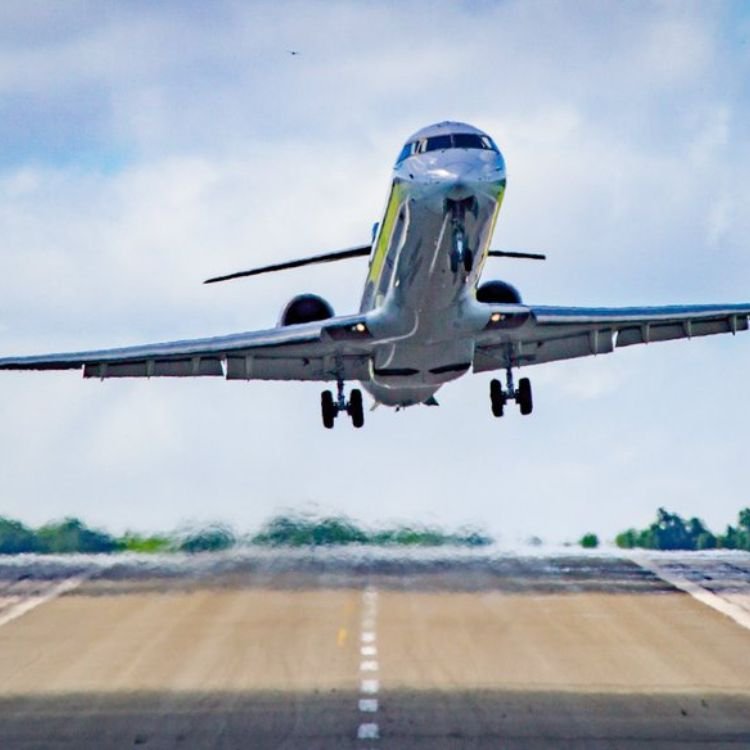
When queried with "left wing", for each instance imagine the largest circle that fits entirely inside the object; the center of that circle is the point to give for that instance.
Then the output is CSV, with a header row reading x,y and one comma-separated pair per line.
x,y
519,335
310,351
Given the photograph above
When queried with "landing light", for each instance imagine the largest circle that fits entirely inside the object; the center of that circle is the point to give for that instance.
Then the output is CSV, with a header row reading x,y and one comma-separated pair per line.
x,y
360,328
496,317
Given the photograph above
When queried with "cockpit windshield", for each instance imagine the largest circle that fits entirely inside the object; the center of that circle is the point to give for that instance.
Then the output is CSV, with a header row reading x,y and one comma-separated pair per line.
x,y
443,142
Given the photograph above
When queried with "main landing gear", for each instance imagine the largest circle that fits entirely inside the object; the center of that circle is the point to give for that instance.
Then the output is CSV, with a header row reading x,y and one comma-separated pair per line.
x,y
331,408
521,395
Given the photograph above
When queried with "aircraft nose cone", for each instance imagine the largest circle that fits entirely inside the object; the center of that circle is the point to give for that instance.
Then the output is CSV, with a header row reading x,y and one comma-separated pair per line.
x,y
461,179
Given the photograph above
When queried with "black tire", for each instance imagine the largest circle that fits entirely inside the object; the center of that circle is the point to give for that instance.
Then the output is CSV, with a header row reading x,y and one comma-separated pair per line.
x,y
497,398
454,262
328,409
356,410
468,260
524,396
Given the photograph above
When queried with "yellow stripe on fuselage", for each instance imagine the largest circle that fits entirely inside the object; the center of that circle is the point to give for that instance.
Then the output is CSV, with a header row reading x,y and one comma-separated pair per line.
x,y
385,233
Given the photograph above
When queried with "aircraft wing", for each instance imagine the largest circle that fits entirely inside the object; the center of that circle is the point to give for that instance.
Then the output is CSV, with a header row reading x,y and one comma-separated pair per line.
x,y
309,351
530,335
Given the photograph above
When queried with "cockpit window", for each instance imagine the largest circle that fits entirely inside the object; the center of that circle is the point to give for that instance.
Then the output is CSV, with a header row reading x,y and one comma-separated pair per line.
x,y
436,143
406,151
442,142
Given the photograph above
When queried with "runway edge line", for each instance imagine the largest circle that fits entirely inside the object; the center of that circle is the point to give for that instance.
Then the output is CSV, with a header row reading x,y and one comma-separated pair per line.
x,y
738,614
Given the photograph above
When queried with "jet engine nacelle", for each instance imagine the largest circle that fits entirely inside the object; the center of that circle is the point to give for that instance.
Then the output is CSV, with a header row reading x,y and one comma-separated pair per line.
x,y
498,292
305,308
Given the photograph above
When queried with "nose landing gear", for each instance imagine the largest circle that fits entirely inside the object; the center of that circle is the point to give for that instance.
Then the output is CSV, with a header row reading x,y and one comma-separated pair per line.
x,y
521,395
461,255
331,408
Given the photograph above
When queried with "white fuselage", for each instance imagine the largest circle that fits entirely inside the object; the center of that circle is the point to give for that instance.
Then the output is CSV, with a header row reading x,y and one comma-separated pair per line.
x,y
421,290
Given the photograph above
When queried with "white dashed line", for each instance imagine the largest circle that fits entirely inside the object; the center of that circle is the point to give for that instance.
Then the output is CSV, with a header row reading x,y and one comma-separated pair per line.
x,y
368,705
369,730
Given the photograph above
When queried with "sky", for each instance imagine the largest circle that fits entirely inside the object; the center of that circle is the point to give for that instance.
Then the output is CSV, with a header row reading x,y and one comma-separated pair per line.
x,y
145,146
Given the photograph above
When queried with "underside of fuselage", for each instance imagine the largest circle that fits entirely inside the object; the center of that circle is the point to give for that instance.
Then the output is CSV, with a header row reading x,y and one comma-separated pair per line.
x,y
427,258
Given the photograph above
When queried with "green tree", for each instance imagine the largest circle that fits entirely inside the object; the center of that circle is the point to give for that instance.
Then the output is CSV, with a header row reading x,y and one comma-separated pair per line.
x,y
627,539
589,541
15,538
301,531
71,535
211,539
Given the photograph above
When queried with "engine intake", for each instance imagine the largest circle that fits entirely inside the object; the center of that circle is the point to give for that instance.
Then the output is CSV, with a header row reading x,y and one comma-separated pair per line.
x,y
305,308
498,292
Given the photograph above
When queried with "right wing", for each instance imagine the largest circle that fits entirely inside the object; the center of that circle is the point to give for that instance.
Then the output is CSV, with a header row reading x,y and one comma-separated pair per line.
x,y
529,335
322,351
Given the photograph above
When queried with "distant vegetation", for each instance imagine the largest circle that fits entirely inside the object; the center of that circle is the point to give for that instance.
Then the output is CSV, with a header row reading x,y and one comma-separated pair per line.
x,y
72,535
305,531
589,541
668,532
671,532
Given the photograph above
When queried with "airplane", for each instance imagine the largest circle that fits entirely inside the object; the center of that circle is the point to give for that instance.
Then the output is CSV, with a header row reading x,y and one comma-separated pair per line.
x,y
426,317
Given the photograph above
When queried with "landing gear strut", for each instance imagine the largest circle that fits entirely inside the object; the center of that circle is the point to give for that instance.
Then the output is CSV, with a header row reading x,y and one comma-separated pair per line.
x,y
461,255
331,408
521,395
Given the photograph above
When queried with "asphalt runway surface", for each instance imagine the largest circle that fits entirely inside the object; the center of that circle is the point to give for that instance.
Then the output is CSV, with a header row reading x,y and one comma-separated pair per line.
x,y
315,650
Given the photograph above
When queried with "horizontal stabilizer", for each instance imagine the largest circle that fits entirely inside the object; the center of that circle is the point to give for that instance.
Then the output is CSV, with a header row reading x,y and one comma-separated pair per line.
x,y
510,254
352,252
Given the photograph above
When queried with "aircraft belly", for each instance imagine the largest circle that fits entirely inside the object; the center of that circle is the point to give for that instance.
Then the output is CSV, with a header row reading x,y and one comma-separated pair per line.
x,y
423,278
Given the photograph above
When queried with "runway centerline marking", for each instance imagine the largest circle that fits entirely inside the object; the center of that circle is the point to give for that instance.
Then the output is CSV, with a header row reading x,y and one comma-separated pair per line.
x,y
369,730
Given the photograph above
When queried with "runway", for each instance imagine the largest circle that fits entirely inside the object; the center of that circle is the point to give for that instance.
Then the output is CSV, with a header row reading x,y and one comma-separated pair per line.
x,y
316,650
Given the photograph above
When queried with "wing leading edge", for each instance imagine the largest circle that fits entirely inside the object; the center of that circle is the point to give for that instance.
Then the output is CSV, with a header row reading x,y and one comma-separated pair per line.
x,y
550,334
310,351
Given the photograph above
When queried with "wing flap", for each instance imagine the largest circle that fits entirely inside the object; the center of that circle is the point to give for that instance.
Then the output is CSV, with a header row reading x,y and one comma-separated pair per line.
x,y
254,367
652,332
176,368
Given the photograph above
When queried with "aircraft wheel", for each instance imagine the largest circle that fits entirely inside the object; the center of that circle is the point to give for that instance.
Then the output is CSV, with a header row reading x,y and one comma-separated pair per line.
x,y
524,396
328,409
356,410
497,398
468,259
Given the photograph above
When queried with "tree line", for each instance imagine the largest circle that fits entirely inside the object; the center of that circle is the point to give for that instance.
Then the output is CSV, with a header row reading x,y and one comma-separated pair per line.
x,y
71,535
672,532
